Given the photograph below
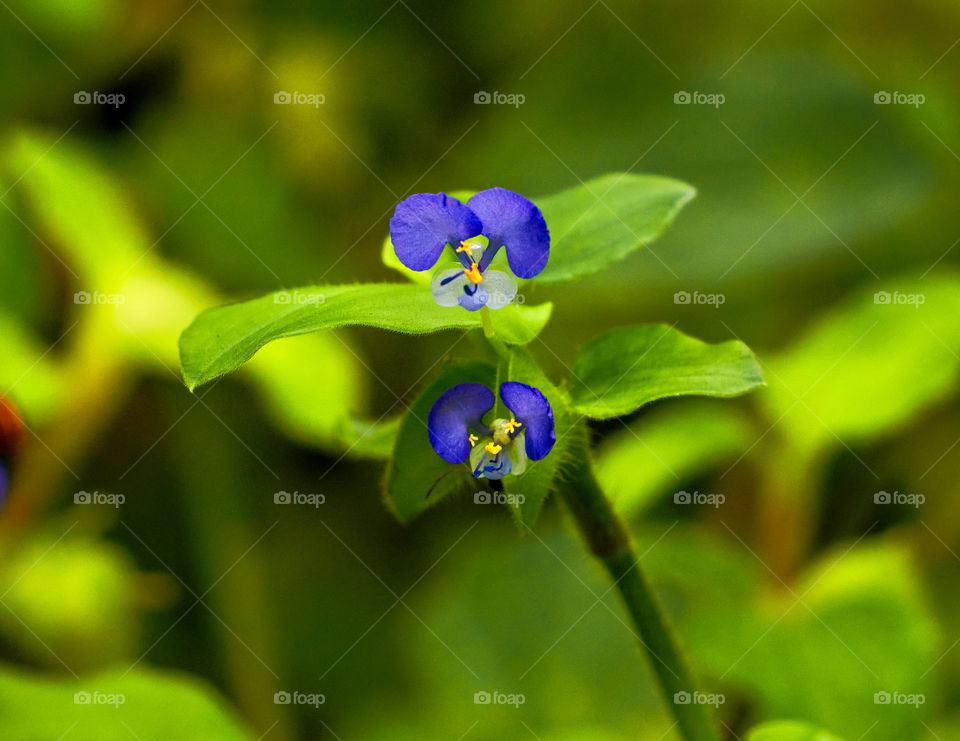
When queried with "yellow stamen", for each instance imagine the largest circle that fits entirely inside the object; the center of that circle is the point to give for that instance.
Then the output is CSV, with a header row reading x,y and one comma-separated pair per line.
x,y
473,440
473,274
511,426
493,448
466,246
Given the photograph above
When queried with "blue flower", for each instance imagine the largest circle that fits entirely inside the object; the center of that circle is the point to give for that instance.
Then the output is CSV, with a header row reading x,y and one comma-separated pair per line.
x,y
426,223
458,433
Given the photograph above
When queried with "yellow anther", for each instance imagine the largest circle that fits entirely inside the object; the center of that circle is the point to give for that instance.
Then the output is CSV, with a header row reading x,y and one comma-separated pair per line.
x,y
466,246
473,440
473,274
511,426
493,448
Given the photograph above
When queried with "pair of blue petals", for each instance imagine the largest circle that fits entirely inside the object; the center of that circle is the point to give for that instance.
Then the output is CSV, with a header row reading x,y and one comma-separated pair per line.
x,y
460,411
425,223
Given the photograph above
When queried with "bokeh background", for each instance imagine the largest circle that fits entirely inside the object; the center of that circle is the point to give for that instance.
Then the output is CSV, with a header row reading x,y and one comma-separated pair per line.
x,y
824,235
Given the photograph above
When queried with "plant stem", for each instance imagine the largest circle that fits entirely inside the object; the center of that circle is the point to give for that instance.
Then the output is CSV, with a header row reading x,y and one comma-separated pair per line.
x,y
607,539
487,326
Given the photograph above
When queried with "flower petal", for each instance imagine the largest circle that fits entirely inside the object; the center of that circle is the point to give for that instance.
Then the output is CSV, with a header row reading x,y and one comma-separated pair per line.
x,y
530,407
448,283
473,297
501,286
518,454
488,466
454,414
426,222
510,219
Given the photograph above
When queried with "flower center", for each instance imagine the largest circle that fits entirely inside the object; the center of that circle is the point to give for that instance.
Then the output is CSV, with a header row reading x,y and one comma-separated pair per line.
x,y
473,274
504,431
473,250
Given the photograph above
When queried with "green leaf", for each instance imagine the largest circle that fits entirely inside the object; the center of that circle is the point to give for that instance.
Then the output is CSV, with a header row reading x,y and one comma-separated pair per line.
x,y
221,340
418,478
854,598
648,459
28,373
534,485
156,706
74,604
622,370
309,386
595,224
865,367
517,325
789,730
83,211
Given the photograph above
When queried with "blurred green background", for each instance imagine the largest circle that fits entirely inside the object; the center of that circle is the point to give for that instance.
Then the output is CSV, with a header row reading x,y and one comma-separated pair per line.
x,y
801,596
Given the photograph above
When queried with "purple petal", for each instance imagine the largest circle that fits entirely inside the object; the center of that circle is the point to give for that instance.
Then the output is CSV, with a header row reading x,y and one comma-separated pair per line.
x,y
454,414
473,297
530,407
424,223
513,221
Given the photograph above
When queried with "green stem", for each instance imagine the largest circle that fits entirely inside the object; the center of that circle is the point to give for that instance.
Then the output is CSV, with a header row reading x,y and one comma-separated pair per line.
x,y
495,342
487,326
607,539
